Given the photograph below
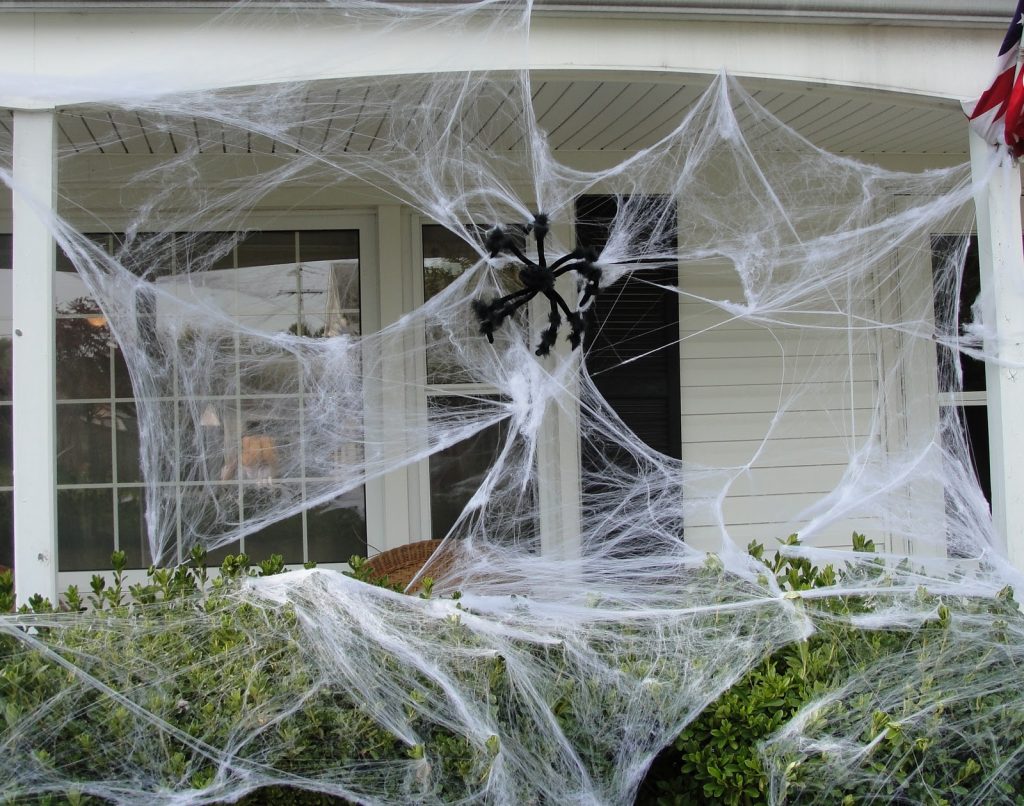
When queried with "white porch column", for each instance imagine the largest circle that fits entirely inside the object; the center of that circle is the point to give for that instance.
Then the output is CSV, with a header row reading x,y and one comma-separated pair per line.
x,y
34,356
1001,261
395,272
558,448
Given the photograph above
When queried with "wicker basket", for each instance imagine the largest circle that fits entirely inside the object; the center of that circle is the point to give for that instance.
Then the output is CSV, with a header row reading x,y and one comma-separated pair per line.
x,y
400,565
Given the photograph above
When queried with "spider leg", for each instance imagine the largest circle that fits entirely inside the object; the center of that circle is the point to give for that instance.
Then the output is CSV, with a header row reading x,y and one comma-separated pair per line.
x,y
513,302
575,254
492,314
515,250
591,275
576,267
575,321
550,334
498,302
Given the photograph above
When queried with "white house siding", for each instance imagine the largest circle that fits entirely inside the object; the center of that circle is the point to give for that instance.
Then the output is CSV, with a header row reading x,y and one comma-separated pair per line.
x,y
734,378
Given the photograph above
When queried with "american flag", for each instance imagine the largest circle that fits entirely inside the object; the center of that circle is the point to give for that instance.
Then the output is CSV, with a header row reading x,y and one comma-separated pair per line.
x,y
998,114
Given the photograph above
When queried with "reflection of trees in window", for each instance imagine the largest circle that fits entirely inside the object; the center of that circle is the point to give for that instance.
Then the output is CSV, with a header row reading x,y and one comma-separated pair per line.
x,y
83,351
439,273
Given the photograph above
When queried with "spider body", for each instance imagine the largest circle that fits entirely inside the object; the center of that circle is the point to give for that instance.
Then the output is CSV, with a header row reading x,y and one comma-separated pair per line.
x,y
539,278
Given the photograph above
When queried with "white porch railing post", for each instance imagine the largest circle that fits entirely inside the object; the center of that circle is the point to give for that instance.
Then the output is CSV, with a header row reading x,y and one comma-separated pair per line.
x,y
1001,259
34,356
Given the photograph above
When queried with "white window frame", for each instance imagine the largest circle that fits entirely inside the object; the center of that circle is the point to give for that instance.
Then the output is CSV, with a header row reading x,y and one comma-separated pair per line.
x,y
913,417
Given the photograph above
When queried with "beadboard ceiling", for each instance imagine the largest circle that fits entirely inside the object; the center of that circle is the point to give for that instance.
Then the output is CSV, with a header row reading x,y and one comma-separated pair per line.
x,y
578,116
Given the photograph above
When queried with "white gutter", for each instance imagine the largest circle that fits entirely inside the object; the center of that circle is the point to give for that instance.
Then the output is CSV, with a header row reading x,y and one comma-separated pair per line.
x,y
973,13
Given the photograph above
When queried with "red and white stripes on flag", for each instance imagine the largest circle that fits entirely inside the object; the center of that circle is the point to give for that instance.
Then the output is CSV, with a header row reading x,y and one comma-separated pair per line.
x,y
998,115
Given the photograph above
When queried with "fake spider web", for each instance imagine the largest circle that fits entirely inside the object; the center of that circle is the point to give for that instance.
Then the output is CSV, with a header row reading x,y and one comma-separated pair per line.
x,y
807,288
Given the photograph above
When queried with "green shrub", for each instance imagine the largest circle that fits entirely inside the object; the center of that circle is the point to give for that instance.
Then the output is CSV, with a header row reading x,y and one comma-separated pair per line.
x,y
144,685
718,758
226,661
933,702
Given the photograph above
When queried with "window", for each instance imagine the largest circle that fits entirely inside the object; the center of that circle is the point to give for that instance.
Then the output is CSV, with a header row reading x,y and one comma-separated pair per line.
x,y
457,471
304,282
964,399
962,394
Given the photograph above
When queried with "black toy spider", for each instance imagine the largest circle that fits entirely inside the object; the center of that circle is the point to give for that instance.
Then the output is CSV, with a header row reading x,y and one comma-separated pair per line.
x,y
539,278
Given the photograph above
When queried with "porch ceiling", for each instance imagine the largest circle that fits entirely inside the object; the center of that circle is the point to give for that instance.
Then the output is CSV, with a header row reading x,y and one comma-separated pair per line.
x,y
579,115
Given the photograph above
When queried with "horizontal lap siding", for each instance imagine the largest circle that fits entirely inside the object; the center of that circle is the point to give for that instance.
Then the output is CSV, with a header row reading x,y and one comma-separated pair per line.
x,y
770,414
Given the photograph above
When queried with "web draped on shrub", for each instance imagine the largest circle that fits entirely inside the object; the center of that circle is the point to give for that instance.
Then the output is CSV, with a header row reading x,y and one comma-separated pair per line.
x,y
576,651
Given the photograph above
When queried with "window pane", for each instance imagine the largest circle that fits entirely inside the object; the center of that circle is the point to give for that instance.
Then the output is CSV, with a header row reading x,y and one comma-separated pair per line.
x,y
953,310
122,379
70,292
268,443
126,434
83,443
330,298
85,529
328,245
147,254
83,358
7,529
264,367
337,530
203,251
283,537
131,527
6,446
445,257
456,472
212,515
267,248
